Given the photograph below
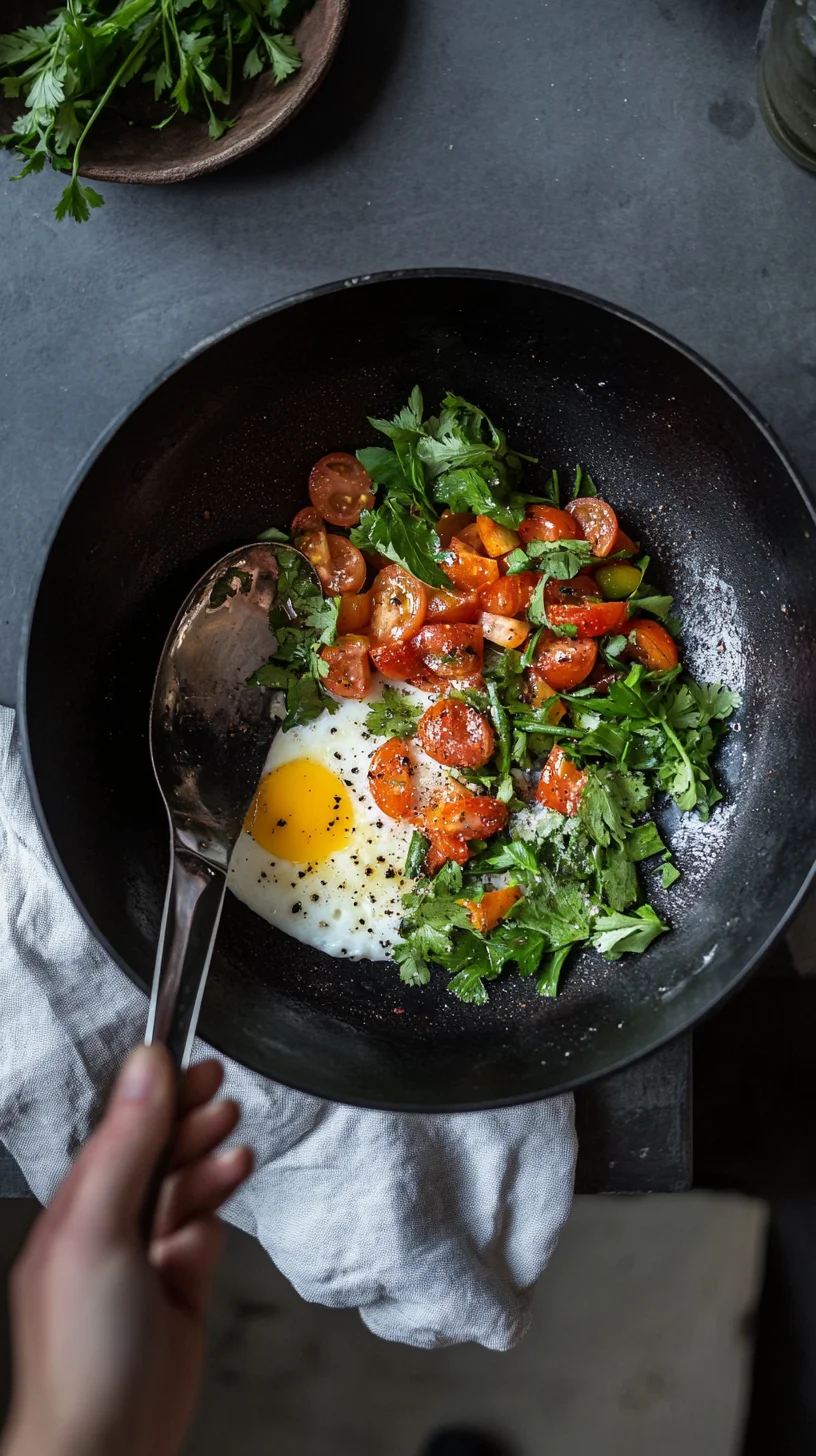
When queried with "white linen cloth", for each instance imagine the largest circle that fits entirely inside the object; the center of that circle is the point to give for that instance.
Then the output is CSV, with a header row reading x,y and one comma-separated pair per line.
x,y
434,1226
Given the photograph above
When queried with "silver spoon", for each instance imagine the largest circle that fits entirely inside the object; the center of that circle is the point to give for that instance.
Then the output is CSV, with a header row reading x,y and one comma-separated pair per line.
x,y
209,737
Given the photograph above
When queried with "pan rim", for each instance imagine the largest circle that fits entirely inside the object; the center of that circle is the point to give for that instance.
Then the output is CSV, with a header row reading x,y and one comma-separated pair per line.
x,y
615,1063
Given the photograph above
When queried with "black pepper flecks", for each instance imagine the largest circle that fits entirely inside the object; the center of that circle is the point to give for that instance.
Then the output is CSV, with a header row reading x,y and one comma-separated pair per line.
x,y
296,908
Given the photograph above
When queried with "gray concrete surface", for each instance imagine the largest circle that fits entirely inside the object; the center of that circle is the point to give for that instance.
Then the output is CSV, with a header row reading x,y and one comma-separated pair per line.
x,y
612,144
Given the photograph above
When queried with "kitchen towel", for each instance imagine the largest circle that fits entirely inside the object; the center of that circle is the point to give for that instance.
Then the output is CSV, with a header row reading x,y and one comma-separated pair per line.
x,y
435,1226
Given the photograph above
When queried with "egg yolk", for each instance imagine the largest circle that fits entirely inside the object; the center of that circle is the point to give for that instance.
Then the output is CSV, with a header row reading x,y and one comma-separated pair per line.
x,y
301,812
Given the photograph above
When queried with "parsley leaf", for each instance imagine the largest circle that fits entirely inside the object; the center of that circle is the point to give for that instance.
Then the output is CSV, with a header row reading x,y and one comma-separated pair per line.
x,y
225,587
394,716
617,935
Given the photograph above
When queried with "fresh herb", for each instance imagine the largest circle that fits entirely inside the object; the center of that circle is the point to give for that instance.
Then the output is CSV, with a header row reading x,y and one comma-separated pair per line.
x,y
617,935
394,716
273,534
303,621
191,53
415,858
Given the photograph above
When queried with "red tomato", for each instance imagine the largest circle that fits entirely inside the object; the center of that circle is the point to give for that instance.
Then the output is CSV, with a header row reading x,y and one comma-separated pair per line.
x,y
398,605
307,520
452,606
452,650
597,521
347,569
391,779
315,547
450,523
497,540
562,783
349,670
476,817
651,645
468,569
445,847
455,734
339,488
622,542
486,913
564,662
401,662
354,613
510,594
577,603
547,523
508,632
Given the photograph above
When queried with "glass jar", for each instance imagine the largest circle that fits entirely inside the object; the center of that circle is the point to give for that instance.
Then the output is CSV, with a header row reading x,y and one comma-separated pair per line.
x,y
786,77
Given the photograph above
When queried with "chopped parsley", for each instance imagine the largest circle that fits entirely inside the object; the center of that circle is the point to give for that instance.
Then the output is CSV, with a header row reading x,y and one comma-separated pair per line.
x,y
302,621
394,716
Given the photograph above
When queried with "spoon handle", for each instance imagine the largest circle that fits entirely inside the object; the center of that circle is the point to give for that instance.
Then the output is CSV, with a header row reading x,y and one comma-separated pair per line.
x,y
192,909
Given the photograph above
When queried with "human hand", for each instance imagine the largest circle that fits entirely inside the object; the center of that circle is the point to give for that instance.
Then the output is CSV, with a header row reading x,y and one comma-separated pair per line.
x,y
108,1336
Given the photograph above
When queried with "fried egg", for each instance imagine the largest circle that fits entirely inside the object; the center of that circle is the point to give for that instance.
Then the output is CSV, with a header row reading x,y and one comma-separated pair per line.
x,y
316,857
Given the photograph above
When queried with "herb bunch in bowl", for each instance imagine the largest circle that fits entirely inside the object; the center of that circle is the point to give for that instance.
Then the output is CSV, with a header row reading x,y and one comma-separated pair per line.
x,y
192,54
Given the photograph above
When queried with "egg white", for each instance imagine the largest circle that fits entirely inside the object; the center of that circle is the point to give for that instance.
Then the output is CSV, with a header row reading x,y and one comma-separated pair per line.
x,y
350,905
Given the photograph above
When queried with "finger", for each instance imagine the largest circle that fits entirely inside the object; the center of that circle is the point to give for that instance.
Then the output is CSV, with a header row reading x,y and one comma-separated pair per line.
x,y
185,1262
201,1131
200,1190
113,1172
200,1084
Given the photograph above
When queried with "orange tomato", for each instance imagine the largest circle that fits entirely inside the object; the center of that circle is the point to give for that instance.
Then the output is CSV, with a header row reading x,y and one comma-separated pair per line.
x,y
547,523
455,734
497,540
349,671
398,605
390,779
651,645
486,913
561,784
458,605
468,569
598,522
564,662
354,613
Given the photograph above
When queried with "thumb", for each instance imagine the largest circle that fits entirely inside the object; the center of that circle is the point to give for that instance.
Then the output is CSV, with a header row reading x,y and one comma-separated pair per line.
x,y
114,1170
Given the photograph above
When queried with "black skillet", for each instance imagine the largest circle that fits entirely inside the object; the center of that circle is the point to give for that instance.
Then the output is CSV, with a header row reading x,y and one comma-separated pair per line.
x,y
221,448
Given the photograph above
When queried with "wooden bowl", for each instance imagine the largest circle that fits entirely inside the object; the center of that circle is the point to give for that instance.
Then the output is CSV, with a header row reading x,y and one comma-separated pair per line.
x,y
119,150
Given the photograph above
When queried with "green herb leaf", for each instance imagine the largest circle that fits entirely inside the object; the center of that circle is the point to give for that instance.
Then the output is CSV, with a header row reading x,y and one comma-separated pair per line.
x,y
394,716
617,935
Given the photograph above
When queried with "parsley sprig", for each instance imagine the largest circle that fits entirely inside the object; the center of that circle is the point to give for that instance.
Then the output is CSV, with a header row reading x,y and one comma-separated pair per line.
x,y
191,53
303,621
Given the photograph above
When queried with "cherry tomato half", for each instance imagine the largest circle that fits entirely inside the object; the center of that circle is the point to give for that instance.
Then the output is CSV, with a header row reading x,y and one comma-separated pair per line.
x,y
339,488
468,569
508,632
576,603
486,913
398,605
401,662
547,523
597,521
354,613
452,649
564,662
307,520
472,537
510,594
476,817
347,569
561,784
651,645
455,734
349,671
391,779
457,605
497,540
450,523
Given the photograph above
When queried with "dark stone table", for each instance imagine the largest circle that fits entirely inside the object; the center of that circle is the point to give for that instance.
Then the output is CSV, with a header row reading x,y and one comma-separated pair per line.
x,y
614,145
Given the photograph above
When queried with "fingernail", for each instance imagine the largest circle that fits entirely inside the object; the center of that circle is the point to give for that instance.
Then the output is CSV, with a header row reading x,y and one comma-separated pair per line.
x,y
138,1079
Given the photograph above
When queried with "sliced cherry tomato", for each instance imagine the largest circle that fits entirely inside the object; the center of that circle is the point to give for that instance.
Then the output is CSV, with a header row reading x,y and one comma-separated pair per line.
x,y
597,521
651,645
398,605
510,594
445,847
624,543
349,670
497,540
562,783
401,662
455,734
539,694
450,523
339,488
354,613
452,649
468,569
507,632
307,520
602,677
391,779
486,913
457,605
472,537
576,603
564,662
476,817
315,547
618,580
547,523
347,568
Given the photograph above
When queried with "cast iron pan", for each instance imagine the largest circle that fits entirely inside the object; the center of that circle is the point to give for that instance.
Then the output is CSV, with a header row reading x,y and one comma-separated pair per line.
x,y
221,448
